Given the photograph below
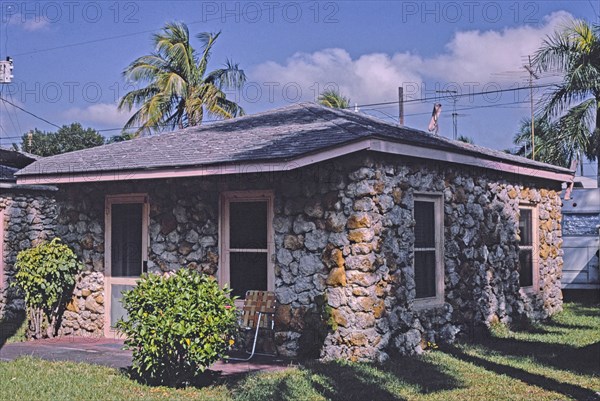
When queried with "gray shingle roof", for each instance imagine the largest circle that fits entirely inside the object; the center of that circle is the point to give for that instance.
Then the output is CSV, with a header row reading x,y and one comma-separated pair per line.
x,y
277,135
11,161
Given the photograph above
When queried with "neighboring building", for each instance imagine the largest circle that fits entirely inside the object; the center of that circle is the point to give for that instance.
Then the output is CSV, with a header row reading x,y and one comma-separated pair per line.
x,y
26,217
374,237
581,237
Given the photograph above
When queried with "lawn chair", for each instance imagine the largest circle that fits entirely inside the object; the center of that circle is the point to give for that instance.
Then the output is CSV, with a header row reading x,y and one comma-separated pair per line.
x,y
258,313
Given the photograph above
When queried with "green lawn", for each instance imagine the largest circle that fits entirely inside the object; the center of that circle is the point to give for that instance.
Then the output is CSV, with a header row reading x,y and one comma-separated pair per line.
x,y
557,360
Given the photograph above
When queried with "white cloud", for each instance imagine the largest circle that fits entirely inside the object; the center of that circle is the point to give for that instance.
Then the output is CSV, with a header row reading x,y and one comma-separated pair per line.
x,y
476,56
102,114
37,23
368,78
470,56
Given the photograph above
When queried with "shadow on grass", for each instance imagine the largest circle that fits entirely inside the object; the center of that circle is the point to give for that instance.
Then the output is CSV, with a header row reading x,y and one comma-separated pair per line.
x,y
565,356
568,326
570,390
205,379
585,309
10,327
583,360
361,381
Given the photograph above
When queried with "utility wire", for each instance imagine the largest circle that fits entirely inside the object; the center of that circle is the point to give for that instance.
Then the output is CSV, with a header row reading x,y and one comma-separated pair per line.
x,y
459,109
126,35
113,129
7,111
16,115
30,113
426,99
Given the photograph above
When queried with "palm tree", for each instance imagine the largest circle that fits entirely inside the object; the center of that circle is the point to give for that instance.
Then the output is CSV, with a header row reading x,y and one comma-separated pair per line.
x,y
466,139
574,103
548,149
332,98
179,91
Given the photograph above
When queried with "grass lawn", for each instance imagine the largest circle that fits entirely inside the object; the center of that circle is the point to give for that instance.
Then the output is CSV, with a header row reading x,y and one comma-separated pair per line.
x,y
557,360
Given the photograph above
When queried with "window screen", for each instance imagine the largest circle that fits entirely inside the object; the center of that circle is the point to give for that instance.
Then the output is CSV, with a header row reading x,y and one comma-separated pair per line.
x,y
525,268
425,228
126,240
425,249
248,271
425,273
526,248
525,231
248,247
248,225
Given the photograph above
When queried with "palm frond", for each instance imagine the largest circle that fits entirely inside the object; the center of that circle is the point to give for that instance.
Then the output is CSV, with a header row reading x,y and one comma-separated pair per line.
x,y
208,40
332,98
178,92
231,76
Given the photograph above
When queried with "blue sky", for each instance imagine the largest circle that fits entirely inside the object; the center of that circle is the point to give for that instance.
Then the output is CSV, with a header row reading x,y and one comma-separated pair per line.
x,y
69,56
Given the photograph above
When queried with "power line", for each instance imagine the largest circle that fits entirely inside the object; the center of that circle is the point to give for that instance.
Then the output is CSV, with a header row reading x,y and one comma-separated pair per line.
x,y
30,113
126,35
426,99
458,109
16,115
7,112
116,129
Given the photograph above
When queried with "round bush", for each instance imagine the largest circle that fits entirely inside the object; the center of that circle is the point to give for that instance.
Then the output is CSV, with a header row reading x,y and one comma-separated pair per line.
x,y
46,276
177,325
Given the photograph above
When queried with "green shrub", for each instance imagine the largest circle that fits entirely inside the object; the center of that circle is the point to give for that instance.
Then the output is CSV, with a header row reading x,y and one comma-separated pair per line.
x,y
177,325
46,275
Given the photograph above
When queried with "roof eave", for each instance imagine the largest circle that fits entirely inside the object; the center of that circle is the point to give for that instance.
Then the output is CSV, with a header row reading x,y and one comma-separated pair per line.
x,y
377,145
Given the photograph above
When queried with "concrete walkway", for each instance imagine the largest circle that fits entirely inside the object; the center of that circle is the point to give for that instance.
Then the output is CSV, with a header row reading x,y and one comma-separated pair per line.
x,y
109,352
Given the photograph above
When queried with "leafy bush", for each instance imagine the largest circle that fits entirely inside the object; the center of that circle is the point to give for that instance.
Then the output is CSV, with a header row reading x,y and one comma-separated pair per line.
x,y
177,325
46,275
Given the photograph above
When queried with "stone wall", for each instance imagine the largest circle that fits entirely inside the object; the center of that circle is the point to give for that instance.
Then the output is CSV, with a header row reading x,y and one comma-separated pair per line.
x,y
29,218
351,232
343,250
579,224
182,232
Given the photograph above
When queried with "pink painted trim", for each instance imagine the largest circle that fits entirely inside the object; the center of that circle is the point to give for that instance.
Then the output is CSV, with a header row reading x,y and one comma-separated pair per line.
x,y
270,167
2,273
442,155
240,168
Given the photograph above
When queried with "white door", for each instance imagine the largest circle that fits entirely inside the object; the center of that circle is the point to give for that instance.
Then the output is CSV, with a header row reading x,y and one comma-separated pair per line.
x,y
126,251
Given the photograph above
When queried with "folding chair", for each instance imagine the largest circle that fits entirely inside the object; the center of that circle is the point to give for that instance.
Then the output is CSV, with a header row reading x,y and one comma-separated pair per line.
x,y
258,313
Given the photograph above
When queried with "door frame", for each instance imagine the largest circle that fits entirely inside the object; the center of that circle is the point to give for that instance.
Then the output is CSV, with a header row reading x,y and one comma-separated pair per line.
x,y
108,279
227,197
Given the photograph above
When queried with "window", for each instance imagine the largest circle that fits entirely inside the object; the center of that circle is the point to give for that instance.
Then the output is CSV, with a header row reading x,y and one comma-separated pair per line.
x,y
527,247
246,243
428,249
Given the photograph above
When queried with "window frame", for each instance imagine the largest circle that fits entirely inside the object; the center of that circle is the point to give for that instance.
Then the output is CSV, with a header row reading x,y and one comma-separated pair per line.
x,y
438,205
535,239
226,198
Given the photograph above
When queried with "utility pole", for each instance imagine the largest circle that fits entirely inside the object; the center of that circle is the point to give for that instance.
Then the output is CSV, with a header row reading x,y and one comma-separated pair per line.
x,y
401,105
30,140
532,75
